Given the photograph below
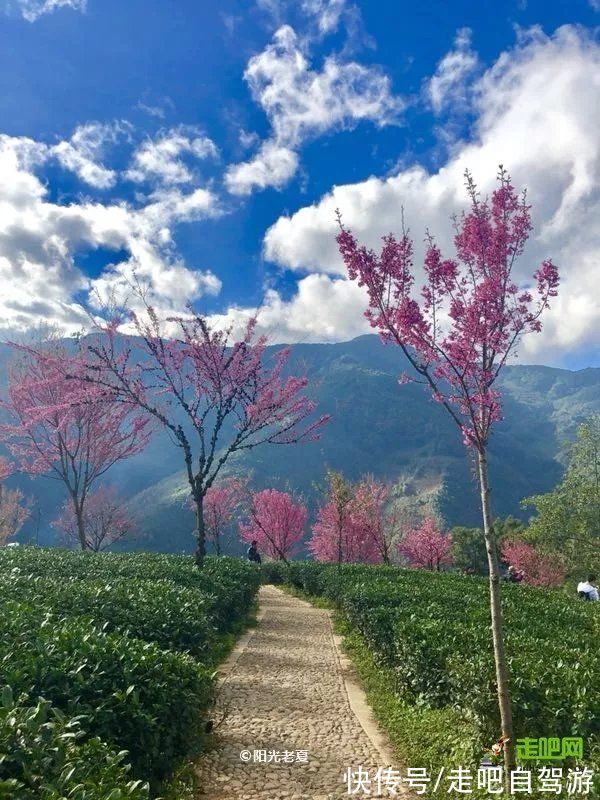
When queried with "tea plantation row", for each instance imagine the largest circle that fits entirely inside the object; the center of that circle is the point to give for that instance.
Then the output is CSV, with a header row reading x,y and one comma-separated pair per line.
x,y
423,642
107,666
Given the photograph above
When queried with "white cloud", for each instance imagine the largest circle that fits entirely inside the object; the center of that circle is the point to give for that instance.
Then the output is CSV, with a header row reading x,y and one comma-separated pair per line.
x,y
160,159
537,113
301,103
82,152
323,309
323,15
271,166
40,242
449,84
33,9
327,13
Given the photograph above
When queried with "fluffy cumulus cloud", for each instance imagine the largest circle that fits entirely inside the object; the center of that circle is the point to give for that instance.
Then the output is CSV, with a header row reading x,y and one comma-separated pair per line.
x,y
302,103
273,165
41,240
82,153
450,83
161,159
33,9
323,309
537,113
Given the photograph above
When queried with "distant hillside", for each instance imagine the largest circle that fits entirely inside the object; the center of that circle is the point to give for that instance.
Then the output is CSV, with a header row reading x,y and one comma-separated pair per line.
x,y
395,432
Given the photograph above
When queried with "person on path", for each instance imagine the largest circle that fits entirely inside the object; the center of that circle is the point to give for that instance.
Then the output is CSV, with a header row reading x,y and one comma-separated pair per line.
x,y
253,554
588,590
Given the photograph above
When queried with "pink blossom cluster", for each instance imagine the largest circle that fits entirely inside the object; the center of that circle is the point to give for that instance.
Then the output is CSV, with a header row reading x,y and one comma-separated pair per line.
x,y
458,330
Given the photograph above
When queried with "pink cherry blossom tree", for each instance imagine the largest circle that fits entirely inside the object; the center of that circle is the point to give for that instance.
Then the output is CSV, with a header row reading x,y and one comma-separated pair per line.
x,y
14,509
215,394
106,520
538,568
62,427
375,516
457,332
426,547
339,533
276,522
221,503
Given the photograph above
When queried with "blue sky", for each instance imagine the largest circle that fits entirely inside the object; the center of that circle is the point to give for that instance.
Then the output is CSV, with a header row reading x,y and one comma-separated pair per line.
x,y
198,145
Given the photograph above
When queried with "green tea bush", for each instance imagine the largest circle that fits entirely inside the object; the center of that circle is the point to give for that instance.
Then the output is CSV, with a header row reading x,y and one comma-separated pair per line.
x,y
127,643
174,617
135,696
430,633
275,572
228,584
45,755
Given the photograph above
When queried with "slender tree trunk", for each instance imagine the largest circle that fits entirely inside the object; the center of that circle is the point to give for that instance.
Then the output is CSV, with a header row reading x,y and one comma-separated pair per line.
x,y
200,530
504,703
77,507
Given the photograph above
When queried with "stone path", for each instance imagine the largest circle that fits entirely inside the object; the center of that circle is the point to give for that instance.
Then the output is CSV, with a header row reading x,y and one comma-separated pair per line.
x,y
287,693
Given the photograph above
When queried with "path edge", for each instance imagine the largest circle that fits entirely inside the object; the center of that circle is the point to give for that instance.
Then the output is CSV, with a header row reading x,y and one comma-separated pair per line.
x,y
226,668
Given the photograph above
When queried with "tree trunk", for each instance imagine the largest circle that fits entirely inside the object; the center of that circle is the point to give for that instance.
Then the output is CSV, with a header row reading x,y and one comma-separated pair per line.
x,y
80,523
200,530
504,703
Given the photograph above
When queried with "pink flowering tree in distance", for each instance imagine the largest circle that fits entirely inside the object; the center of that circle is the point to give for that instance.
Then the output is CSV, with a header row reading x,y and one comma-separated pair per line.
x,y
538,568
221,502
14,509
276,521
339,533
106,520
63,427
375,517
215,394
457,332
426,547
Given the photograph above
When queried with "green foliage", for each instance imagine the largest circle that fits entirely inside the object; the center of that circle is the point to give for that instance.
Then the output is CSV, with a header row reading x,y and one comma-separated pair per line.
x,y
275,572
468,549
173,617
568,518
101,637
45,755
429,634
426,737
137,697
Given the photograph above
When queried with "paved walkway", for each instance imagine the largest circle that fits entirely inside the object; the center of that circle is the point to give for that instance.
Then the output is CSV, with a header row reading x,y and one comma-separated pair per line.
x,y
288,692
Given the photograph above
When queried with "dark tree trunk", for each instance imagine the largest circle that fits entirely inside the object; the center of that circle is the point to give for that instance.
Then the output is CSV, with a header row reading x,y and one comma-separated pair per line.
x,y
504,703
77,506
200,530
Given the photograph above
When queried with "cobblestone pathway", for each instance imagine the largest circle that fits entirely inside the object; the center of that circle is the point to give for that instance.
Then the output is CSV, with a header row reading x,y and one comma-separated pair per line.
x,y
286,692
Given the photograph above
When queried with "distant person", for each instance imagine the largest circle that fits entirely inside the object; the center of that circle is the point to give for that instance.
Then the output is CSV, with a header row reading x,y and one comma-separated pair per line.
x,y
588,590
253,554
515,575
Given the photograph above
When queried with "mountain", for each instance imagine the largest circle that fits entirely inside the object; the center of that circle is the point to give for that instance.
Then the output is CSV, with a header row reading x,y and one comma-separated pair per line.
x,y
394,432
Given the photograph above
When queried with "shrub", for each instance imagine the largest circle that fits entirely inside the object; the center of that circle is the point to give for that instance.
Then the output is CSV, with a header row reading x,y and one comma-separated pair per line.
x,y
134,695
44,755
429,634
